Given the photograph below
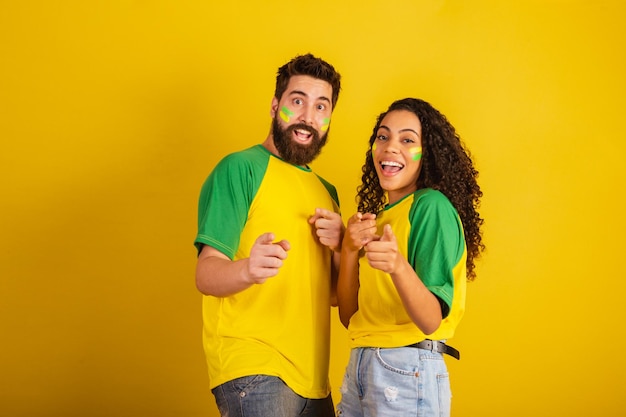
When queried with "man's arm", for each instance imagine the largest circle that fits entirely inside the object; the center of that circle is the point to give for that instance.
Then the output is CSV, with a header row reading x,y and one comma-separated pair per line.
x,y
329,229
218,276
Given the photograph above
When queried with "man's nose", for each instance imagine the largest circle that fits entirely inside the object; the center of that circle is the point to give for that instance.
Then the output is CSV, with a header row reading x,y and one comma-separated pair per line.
x,y
306,116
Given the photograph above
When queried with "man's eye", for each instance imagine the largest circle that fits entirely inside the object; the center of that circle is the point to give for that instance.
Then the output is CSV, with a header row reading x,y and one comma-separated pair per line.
x,y
297,101
321,107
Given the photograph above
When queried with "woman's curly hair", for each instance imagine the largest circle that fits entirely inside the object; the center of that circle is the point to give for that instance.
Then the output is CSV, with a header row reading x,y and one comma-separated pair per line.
x,y
446,166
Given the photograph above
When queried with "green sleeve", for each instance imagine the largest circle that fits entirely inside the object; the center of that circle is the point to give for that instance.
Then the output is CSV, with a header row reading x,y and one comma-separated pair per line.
x,y
226,197
436,243
331,190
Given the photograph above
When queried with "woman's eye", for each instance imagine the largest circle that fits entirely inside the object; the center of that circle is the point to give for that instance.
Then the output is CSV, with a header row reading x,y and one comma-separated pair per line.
x,y
381,137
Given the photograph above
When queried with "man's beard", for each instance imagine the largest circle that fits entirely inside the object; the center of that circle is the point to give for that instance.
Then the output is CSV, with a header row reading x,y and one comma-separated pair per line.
x,y
293,152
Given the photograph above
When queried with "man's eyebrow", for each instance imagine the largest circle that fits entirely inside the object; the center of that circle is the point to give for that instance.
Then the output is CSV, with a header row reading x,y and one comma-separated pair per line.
x,y
302,93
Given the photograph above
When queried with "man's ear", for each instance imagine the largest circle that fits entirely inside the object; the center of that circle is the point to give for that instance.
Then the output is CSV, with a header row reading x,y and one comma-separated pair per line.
x,y
274,107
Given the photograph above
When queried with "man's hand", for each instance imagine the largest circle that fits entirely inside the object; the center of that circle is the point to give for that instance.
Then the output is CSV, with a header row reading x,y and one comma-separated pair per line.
x,y
266,258
328,228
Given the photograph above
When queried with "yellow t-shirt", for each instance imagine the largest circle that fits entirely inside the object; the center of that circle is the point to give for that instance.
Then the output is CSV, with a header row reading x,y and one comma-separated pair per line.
x,y
282,327
430,235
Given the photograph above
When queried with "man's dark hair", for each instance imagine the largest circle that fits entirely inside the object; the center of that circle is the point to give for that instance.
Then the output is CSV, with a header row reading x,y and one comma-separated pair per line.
x,y
311,66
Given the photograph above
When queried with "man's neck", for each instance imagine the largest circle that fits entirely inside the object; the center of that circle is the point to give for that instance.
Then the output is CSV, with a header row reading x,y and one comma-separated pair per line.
x,y
269,145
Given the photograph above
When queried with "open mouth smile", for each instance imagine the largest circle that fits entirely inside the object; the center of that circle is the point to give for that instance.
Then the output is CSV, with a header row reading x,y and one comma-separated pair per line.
x,y
391,167
303,134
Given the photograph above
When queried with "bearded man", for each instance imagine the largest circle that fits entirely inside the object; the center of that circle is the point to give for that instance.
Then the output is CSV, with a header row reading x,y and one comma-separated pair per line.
x,y
269,239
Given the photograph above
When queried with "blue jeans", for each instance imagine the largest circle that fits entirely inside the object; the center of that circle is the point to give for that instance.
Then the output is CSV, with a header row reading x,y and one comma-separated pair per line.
x,y
395,382
267,396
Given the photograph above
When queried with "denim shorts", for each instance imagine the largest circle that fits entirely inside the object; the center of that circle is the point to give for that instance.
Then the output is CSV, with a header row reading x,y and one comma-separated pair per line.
x,y
395,382
267,396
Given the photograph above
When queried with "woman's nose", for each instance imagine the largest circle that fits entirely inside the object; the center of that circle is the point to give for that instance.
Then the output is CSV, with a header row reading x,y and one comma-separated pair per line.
x,y
391,146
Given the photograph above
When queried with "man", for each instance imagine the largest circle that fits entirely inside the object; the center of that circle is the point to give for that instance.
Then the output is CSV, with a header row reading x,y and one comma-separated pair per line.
x,y
269,239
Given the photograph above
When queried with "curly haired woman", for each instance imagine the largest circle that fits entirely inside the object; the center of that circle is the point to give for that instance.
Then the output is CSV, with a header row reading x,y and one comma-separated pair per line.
x,y
406,256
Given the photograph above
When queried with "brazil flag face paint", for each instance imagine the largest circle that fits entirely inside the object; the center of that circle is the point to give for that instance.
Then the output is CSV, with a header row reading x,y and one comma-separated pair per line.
x,y
325,124
285,114
416,152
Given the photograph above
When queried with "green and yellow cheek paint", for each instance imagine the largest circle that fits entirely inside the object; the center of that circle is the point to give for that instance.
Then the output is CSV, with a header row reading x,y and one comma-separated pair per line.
x,y
374,147
416,152
285,114
325,124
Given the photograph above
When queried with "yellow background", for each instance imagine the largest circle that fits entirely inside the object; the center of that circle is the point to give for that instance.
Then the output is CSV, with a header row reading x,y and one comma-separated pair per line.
x,y
112,113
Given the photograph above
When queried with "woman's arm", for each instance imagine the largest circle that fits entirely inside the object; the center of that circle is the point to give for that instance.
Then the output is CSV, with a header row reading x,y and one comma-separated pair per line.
x,y
360,231
421,305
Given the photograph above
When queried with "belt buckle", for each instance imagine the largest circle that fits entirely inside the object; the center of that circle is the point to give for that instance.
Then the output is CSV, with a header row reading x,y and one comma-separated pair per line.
x,y
435,347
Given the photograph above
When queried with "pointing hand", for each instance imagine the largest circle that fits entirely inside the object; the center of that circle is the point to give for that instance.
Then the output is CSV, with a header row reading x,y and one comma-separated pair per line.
x,y
266,258
383,253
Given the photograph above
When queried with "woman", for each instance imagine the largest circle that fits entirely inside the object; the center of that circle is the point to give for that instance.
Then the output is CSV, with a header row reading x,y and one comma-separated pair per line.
x,y
405,260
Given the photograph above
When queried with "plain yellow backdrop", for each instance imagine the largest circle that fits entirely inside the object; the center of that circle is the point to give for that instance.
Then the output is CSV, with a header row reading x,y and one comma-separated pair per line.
x,y
112,113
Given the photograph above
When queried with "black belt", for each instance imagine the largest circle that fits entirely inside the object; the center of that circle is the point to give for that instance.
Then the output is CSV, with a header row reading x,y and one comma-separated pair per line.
x,y
436,346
